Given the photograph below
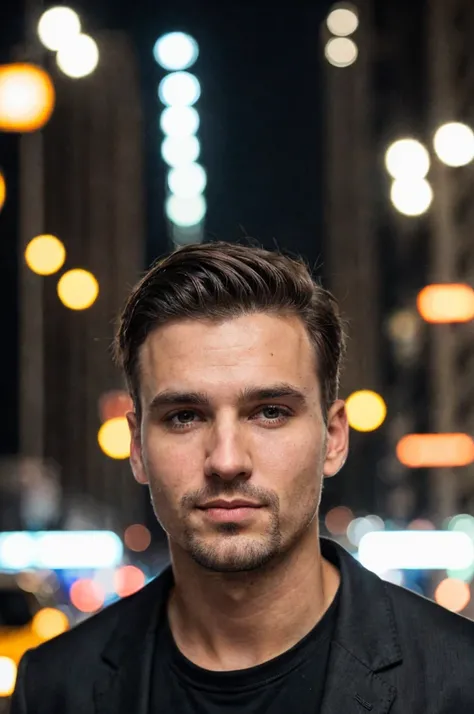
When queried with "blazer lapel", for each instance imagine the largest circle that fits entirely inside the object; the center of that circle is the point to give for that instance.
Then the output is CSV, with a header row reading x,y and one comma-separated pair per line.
x,y
124,688
365,641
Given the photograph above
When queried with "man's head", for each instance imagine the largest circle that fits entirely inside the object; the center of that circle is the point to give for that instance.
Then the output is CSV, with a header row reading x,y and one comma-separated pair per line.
x,y
232,356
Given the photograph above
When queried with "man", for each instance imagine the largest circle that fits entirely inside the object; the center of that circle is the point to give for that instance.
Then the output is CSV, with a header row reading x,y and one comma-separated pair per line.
x,y
232,357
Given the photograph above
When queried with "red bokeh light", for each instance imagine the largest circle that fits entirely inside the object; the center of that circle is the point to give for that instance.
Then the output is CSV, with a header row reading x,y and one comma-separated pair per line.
x,y
87,595
128,580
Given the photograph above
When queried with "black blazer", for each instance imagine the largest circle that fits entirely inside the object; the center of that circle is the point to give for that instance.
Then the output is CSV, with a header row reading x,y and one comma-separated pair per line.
x,y
393,651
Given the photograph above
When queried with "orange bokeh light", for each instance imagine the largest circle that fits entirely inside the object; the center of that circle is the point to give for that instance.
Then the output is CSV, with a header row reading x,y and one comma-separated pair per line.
x,y
446,303
114,404
87,595
137,537
128,580
453,594
435,450
338,519
3,190
27,97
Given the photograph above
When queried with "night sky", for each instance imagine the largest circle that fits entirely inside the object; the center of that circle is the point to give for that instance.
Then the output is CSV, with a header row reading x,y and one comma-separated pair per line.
x,y
261,113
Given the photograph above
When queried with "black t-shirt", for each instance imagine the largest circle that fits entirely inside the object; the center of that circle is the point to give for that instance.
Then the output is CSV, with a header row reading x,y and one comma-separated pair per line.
x,y
291,682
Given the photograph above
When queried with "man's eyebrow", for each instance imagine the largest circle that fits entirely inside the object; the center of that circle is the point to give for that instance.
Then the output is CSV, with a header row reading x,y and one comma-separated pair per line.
x,y
249,394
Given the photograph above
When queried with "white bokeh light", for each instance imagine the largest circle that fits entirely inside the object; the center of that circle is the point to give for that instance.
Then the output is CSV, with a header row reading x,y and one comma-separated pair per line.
x,y
179,89
182,235
79,57
454,144
57,26
187,181
180,151
176,51
341,51
179,121
186,211
407,159
412,198
342,21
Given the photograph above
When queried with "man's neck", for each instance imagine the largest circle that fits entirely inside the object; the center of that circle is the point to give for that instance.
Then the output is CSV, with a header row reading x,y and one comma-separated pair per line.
x,y
229,621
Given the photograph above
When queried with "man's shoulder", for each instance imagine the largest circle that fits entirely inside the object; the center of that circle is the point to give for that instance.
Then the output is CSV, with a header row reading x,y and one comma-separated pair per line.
x,y
423,621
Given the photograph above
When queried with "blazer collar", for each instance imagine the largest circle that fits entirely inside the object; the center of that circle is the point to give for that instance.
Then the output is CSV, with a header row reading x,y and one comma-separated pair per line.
x,y
365,643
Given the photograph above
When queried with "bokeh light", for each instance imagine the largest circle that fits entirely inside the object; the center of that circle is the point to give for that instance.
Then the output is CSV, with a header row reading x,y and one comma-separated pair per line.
x,y
27,97
343,21
179,89
8,672
440,303
185,211
49,622
114,404
78,289
337,520
453,594
45,254
3,190
179,121
78,57
180,151
57,26
341,51
128,580
114,438
366,410
137,537
176,51
360,527
407,159
87,595
435,450
187,181
411,197
421,524
454,144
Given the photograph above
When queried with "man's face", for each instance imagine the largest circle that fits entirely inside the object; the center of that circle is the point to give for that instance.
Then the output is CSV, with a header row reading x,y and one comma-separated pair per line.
x,y
209,431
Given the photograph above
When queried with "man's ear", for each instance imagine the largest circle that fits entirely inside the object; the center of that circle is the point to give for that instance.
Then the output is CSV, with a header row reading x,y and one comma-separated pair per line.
x,y
136,460
337,443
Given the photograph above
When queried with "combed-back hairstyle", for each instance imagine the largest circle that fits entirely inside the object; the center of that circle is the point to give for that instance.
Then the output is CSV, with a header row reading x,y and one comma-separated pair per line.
x,y
219,281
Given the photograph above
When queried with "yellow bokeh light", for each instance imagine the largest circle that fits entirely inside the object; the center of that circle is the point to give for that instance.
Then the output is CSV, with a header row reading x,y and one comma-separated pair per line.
x,y
7,676
78,289
114,438
3,190
366,410
446,302
49,622
45,255
27,97
453,594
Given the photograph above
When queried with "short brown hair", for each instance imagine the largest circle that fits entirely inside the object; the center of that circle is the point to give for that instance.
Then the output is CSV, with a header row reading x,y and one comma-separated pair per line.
x,y
217,281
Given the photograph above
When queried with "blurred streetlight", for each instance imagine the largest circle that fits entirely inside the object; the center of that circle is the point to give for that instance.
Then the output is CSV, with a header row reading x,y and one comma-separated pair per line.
x,y
57,26
407,159
7,676
446,303
180,151
78,289
3,190
341,51
114,438
454,144
453,594
49,622
128,580
411,197
176,51
366,410
179,121
45,254
27,97
435,450
87,595
79,57
187,181
343,20
186,211
179,89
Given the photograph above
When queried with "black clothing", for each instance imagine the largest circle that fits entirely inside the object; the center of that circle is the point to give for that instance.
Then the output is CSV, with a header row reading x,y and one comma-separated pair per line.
x,y
392,651
293,681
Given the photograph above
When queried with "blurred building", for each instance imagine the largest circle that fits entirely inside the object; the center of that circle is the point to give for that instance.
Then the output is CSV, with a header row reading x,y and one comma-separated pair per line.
x,y
83,182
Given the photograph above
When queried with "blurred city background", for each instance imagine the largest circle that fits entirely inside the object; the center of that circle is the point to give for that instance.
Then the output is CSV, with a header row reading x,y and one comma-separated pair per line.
x,y
341,132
